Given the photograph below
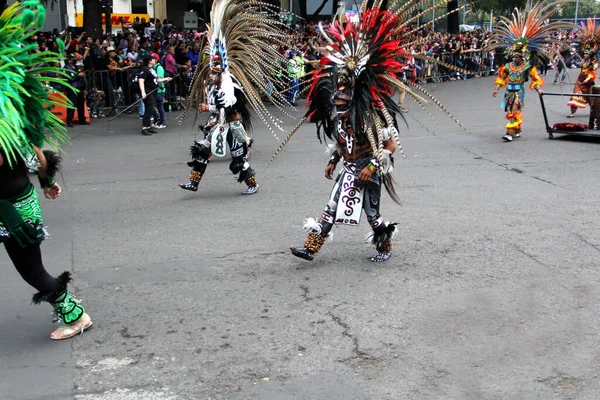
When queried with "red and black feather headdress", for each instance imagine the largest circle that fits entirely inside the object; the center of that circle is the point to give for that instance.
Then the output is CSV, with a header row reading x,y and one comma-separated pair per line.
x,y
365,57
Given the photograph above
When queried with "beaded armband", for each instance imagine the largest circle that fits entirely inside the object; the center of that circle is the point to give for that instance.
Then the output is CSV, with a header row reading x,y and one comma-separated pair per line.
x,y
373,166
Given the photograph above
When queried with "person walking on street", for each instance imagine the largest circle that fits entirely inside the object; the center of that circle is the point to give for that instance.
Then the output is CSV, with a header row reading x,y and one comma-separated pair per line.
x,y
160,93
561,69
527,39
589,46
24,122
149,81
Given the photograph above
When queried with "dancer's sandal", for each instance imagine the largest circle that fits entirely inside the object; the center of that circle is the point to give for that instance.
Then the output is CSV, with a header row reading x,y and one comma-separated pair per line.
x,y
68,331
302,252
381,257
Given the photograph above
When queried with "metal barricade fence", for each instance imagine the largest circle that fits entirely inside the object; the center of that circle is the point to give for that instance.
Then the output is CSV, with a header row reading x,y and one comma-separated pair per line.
x,y
115,90
477,63
178,88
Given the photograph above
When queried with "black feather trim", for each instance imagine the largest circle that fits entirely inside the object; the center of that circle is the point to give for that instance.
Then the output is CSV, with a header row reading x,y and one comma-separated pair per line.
x,y
198,151
245,175
53,160
195,150
385,233
237,164
61,285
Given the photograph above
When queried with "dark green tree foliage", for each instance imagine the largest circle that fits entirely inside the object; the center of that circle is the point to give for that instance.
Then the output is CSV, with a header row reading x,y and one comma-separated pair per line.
x,y
587,8
500,7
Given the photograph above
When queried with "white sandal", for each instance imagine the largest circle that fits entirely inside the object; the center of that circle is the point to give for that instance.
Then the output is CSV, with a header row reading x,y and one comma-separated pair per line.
x,y
68,331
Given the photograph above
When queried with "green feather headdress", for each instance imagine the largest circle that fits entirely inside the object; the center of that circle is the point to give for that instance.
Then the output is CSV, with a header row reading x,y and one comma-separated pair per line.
x,y
24,96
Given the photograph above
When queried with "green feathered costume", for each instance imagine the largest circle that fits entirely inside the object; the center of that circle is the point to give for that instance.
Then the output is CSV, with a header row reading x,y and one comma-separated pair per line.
x,y
24,72
25,119
26,124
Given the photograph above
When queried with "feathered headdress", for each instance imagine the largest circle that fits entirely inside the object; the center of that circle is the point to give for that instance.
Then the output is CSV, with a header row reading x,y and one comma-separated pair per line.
x,y
24,115
528,31
240,46
590,37
363,59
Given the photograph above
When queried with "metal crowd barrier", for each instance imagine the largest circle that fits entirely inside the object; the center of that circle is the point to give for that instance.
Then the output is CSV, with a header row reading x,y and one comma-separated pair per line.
x,y
118,92
477,63
177,90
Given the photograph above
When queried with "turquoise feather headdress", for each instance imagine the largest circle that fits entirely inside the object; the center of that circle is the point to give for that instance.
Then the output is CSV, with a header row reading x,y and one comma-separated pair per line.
x,y
24,98
529,30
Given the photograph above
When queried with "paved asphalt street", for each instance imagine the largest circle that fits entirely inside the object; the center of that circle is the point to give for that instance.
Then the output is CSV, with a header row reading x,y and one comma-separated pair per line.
x,y
492,293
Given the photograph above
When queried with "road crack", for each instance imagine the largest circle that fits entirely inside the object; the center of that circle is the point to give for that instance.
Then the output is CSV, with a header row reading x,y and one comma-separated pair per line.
x,y
245,252
346,333
506,167
584,240
305,293
520,250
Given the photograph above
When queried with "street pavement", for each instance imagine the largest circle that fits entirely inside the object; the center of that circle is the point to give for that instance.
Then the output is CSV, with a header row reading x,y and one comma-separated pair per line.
x,y
492,291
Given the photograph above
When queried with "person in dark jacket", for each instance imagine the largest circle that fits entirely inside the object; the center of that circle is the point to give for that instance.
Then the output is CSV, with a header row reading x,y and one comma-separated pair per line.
x,y
78,80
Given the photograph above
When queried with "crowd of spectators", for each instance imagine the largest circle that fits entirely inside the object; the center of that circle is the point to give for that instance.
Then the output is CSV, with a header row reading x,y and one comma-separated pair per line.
x,y
111,63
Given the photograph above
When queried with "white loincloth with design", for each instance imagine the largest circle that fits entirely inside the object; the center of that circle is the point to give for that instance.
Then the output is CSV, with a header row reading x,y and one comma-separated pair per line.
x,y
232,135
218,140
347,199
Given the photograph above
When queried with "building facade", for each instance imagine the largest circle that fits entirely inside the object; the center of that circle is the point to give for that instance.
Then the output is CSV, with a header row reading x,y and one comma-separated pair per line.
x,y
127,9
56,15
67,13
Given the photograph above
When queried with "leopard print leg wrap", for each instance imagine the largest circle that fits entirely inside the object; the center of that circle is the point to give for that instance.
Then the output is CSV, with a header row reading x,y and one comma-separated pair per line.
x,y
251,182
314,242
385,246
195,177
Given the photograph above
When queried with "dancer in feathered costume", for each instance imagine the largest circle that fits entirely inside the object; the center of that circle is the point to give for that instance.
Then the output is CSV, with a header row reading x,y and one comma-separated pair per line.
x,y
351,102
588,47
239,61
525,37
24,121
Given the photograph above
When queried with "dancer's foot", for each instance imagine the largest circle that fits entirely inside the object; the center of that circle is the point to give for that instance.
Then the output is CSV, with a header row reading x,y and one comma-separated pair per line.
x,y
251,190
68,331
507,138
189,186
517,135
302,252
571,115
381,257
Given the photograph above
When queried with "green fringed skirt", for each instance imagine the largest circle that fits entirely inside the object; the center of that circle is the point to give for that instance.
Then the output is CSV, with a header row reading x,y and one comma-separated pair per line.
x,y
21,218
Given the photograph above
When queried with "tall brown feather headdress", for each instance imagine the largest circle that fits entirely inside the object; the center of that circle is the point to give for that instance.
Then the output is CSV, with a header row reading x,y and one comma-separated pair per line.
x,y
240,46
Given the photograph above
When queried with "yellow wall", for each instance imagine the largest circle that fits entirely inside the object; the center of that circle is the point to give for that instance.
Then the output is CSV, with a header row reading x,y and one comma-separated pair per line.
x,y
115,18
